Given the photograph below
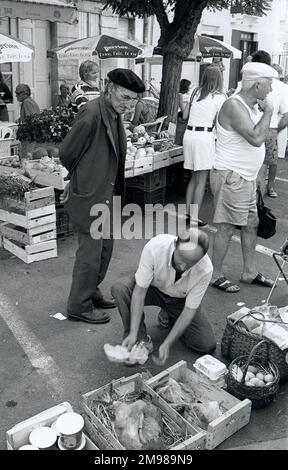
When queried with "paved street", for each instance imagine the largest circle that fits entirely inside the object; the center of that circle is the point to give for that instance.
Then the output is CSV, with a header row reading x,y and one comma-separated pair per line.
x,y
45,361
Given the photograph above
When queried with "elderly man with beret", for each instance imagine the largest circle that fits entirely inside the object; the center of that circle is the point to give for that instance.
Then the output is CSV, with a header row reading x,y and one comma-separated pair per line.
x,y
94,153
241,133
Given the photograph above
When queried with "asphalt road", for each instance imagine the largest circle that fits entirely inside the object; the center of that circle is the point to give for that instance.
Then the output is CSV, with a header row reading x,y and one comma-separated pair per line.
x,y
45,361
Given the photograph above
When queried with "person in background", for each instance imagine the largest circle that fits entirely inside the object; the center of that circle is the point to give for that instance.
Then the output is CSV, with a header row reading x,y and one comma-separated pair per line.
x,y
241,133
94,153
199,140
87,88
28,105
184,94
145,111
64,99
5,97
218,62
279,99
173,273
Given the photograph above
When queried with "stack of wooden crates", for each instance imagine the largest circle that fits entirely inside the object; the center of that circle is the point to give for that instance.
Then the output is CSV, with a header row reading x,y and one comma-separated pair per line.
x,y
28,227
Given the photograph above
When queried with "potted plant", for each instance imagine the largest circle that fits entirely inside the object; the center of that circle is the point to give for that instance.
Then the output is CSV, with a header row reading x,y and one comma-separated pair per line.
x,y
47,128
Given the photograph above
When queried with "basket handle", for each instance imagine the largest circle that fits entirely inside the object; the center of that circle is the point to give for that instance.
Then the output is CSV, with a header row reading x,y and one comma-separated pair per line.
x,y
252,352
247,315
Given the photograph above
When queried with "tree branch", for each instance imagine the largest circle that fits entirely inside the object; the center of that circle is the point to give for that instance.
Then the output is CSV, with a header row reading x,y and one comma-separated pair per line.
x,y
161,15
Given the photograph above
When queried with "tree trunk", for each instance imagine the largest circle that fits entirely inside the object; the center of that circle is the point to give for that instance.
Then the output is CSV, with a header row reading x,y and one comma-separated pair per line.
x,y
171,76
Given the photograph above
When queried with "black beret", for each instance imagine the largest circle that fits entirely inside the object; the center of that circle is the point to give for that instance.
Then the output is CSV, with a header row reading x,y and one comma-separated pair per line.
x,y
127,79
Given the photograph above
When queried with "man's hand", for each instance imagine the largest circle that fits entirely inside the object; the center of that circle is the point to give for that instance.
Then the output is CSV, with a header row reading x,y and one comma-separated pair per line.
x,y
163,355
265,105
65,194
129,341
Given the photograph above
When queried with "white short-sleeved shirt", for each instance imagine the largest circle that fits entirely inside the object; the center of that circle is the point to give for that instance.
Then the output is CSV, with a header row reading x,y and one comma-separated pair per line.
x,y
278,97
155,268
202,113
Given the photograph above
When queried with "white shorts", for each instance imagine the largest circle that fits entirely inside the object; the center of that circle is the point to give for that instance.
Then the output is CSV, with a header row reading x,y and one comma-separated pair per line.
x,y
199,150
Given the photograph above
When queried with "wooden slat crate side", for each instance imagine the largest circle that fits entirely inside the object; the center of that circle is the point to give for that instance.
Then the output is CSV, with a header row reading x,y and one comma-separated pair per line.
x,y
12,218
49,254
141,170
40,247
41,211
28,257
177,159
129,173
229,423
12,233
236,415
39,194
25,237
99,433
37,203
48,219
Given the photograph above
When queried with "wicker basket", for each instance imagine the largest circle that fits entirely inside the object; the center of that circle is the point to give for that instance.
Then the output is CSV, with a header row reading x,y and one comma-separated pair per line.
x,y
237,341
259,396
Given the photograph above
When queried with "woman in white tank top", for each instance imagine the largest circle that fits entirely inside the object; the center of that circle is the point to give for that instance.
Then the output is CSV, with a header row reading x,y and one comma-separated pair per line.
x,y
199,140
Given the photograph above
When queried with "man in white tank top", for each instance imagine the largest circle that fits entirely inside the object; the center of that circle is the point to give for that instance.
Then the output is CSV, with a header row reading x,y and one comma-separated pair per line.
x,y
240,151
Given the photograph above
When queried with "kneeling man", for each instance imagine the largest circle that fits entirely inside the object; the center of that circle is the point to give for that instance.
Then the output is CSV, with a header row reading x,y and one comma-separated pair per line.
x,y
173,273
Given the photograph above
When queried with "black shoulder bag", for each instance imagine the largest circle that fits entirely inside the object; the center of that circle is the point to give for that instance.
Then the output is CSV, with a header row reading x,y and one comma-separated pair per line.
x,y
267,220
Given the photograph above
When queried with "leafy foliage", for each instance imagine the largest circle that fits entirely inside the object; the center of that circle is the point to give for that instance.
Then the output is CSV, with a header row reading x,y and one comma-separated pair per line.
x,y
150,7
46,126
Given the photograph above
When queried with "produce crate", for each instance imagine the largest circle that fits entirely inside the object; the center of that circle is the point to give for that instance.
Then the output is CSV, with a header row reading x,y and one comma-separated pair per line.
x,y
55,179
37,209
129,168
150,181
138,196
104,438
31,253
143,165
19,434
160,160
236,413
176,155
29,228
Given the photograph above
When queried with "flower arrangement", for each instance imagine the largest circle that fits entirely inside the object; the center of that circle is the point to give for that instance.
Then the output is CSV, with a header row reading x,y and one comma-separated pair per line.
x,y
49,125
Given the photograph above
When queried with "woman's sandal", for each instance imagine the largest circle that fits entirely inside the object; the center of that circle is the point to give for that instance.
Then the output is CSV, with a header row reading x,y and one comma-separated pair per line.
x,y
225,285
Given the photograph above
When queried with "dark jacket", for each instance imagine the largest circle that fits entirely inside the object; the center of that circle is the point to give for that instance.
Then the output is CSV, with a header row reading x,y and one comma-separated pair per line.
x,y
100,170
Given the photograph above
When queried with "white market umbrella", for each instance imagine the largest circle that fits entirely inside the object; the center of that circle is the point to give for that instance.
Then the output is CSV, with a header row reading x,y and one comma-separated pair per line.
x,y
203,47
101,46
14,50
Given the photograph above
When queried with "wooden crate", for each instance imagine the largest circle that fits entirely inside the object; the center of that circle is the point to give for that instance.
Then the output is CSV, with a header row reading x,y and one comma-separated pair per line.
x,y
105,439
236,413
160,160
143,165
37,209
176,155
55,179
19,434
29,228
30,236
31,253
129,168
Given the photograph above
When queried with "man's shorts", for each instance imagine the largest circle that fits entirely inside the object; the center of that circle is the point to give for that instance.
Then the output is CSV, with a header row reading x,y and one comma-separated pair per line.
x,y
234,198
271,148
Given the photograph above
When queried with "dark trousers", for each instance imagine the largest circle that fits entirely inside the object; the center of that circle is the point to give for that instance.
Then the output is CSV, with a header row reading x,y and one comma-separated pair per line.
x,y
91,264
198,335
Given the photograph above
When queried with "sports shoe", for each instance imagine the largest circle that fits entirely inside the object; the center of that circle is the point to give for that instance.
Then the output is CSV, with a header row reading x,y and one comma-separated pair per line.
x,y
148,344
271,193
163,319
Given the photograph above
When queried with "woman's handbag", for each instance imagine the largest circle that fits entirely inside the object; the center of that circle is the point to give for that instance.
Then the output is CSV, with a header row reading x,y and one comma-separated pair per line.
x,y
267,220
182,123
